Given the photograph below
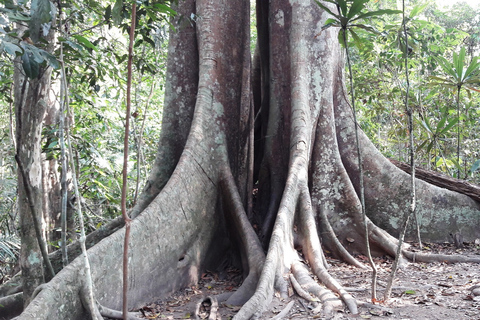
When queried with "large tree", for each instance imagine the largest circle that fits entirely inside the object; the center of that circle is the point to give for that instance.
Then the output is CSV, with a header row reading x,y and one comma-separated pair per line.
x,y
282,122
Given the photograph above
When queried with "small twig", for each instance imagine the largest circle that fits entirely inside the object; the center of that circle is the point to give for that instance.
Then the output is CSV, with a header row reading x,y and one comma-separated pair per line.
x,y
412,208
125,164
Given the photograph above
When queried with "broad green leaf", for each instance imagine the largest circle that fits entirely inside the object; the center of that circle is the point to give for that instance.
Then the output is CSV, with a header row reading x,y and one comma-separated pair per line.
x,y
426,125
475,166
341,39
51,59
342,4
30,66
418,9
160,7
458,166
440,124
430,146
328,10
376,13
422,144
473,68
458,61
447,67
85,42
331,21
366,27
356,39
108,13
74,45
11,48
17,16
117,12
41,13
450,124
356,7
52,145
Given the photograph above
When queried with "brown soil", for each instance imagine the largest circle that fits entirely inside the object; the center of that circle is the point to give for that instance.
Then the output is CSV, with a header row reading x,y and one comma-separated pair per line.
x,y
436,291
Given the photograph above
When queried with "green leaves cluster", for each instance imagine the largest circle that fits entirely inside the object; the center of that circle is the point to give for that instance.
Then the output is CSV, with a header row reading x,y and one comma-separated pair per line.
x,y
457,74
30,43
377,51
348,16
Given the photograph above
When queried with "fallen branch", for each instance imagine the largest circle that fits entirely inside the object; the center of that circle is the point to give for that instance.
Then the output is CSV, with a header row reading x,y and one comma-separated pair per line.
x,y
443,181
285,311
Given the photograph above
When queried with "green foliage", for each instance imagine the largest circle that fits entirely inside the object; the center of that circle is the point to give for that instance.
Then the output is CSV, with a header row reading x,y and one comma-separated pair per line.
x,y
348,16
457,74
380,85
95,54
42,13
29,44
9,248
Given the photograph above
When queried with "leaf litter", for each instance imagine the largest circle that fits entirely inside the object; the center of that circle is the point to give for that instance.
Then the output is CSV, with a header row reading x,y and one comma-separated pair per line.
x,y
433,291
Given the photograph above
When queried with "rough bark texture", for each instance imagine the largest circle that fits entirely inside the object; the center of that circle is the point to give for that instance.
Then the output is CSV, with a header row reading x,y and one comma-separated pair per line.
x,y
194,205
30,106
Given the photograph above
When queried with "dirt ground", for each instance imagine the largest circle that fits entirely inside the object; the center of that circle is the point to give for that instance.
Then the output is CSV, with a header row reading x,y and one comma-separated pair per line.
x,y
437,291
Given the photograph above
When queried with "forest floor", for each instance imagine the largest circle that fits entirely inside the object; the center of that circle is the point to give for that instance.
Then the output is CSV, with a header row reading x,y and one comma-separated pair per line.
x,y
436,291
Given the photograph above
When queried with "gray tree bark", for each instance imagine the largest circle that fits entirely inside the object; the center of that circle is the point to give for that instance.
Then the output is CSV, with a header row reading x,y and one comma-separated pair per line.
x,y
194,205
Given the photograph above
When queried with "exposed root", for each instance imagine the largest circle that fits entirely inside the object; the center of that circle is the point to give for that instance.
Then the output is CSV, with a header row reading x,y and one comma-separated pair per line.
x,y
97,311
278,252
300,291
89,305
280,284
429,257
308,228
247,237
329,300
339,248
12,286
245,291
11,305
285,311
207,307
38,289
388,243
115,314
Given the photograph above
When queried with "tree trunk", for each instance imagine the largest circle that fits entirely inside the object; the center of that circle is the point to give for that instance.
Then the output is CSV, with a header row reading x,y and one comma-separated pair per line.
x,y
193,208
30,106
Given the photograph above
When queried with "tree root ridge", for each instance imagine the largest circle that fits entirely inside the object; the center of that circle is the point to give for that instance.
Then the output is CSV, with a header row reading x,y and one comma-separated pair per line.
x,y
249,241
285,311
97,311
115,314
431,257
11,305
329,300
340,249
